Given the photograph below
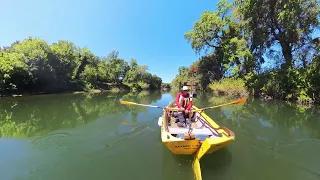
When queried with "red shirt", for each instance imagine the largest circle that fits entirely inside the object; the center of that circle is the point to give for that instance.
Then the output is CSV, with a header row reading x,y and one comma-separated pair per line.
x,y
180,101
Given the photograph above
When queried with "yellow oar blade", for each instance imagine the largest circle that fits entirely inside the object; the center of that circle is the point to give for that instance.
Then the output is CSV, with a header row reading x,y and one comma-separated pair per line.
x,y
240,101
126,123
196,169
127,102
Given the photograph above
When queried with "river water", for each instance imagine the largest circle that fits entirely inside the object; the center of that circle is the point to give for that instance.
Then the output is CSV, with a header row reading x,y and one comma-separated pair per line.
x,y
81,137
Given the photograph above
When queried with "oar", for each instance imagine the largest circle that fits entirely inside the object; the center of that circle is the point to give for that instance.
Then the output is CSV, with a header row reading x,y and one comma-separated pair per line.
x,y
145,105
136,104
196,168
233,102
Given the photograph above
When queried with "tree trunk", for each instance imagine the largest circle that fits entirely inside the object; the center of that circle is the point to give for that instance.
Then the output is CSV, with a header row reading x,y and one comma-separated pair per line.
x,y
287,53
84,62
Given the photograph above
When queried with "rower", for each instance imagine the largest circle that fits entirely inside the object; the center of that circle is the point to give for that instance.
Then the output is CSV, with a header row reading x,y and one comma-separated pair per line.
x,y
184,103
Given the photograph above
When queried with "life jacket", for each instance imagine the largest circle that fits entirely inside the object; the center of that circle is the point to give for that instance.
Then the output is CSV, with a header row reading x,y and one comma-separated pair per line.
x,y
184,102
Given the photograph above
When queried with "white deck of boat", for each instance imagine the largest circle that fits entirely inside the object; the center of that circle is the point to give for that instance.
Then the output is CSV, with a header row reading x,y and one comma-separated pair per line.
x,y
198,128
201,131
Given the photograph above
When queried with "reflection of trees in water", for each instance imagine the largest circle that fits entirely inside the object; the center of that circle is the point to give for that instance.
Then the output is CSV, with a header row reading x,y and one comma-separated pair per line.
x,y
280,114
143,97
9,128
37,115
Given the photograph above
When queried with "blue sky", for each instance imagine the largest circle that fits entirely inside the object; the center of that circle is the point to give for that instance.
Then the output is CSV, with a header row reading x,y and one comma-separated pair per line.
x,y
152,32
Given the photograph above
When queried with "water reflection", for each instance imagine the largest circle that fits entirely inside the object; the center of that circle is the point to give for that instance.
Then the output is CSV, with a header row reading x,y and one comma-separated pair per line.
x,y
38,115
271,129
220,166
256,114
266,114
94,136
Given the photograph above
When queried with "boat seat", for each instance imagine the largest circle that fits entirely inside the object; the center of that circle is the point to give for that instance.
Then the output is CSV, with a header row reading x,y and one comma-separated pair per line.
x,y
200,131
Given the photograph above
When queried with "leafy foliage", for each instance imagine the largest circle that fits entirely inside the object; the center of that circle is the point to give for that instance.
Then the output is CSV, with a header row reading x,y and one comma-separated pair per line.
x,y
269,44
229,86
288,23
35,66
166,85
219,33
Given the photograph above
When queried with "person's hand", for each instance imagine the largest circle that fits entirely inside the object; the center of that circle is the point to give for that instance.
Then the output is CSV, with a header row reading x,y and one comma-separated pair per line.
x,y
186,111
182,109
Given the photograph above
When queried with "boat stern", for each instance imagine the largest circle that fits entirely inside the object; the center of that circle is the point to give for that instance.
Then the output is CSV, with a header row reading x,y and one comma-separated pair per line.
x,y
211,145
180,146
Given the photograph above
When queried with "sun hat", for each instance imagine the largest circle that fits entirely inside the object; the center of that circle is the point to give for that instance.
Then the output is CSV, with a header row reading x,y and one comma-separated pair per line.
x,y
185,88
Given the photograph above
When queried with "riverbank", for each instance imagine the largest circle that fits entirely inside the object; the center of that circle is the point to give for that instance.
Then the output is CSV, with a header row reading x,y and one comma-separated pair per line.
x,y
236,87
90,91
63,67
240,87
97,91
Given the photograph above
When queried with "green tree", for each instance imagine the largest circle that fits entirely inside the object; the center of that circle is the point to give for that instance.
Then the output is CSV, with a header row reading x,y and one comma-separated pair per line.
x,y
33,65
285,28
288,23
221,33
13,72
35,53
238,37
65,63
116,68
133,76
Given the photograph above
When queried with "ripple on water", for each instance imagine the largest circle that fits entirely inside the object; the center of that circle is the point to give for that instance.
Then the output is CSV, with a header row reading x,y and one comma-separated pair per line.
x,y
50,141
135,131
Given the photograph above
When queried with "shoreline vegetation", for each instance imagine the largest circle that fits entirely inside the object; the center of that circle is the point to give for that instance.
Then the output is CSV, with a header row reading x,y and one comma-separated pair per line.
x,y
33,66
249,48
257,48
90,91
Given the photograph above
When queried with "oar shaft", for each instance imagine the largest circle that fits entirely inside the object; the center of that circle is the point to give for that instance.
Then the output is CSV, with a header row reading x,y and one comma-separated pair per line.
x,y
150,106
202,109
234,102
177,109
145,105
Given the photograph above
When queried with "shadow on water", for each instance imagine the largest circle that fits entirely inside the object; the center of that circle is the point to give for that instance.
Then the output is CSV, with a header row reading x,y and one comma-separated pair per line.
x,y
180,166
221,159
217,163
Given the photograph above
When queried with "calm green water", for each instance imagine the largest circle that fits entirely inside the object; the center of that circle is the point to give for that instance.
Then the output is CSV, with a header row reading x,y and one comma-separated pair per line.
x,y
81,137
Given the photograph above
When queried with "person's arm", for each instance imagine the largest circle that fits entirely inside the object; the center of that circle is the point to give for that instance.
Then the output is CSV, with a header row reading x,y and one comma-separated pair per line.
x,y
189,106
177,100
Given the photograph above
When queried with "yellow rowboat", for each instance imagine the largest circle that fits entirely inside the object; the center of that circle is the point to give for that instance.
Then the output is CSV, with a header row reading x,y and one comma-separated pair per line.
x,y
202,137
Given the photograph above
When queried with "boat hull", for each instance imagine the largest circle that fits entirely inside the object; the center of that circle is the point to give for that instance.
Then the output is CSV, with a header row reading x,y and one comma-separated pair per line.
x,y
189,147
195,146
